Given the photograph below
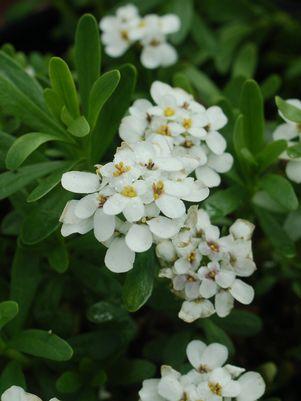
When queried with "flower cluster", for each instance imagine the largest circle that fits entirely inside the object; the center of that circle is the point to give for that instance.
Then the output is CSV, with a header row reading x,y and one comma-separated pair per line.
x,y
202,265
291,132
138,199
16,393
150,32
209,380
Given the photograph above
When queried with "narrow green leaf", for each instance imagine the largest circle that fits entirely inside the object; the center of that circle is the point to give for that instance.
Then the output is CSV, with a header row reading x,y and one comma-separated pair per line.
x,y
109,118
208,91
180,80
265,201
280,190
43,344
8,310
25,145
240,323
275,233
184,10
224,202
103,312
139,282
63,84
58,257
216,334
270,153
101,90
203,35
49,183
87,56
12,375
25,279
69,382
79,127
53,102
294,151
289,111
246,61
43,219
13,181
270,86
251,107
134,371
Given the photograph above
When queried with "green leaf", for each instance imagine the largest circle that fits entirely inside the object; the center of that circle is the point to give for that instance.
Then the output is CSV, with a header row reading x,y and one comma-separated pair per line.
x,y
111,114
103,312
25,279
292,225
58,257
63,84
12,375
251,107
79,127
289,111
265,201
180,80
25,145
280,190
240,323
294,151
13,181
184,10
208,91
69,382
216,334
270,86
224,202
49,183
53,102
203,35
275,233
270,153
87,56
174,353
246,61
43,219
43,344
100,93
8,310
134,371
139,282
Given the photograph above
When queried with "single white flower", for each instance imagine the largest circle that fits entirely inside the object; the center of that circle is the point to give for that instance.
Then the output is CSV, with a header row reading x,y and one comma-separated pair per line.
x,y
219,385
252,387
205,358
16,393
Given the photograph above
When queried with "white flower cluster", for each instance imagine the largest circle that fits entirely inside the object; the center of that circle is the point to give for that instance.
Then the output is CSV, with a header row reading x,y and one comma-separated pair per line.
x,y
209,380
16,393
138,199
127,27
202,265
291,132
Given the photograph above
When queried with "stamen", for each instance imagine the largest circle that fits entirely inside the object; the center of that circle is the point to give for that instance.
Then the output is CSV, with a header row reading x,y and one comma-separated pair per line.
x,y
158,189
120,169
216,388
164,130
169,111
129,191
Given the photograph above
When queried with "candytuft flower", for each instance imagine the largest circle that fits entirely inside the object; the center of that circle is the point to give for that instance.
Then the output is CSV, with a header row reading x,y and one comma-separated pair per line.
x,y
127,27
210,379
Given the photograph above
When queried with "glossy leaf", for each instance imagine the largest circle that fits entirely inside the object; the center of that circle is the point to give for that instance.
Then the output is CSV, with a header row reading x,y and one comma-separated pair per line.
x,y
79,127
280,190
270,153
8,310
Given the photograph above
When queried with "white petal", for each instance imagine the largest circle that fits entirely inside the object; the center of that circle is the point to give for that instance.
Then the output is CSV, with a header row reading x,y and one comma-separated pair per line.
x,y
208,288
231,389
80,182
191,311
285,131
168,55
115,204
134,210
216,117
170,23
214,356
242,292
86,206
139,238
182,266
14,393
252,387
104,225
163,227
225,278
216,142
194,352
220,163
149,391
150,58
242,229
132,129
159,89
82,227
170,388
170,206
119,258
223,303
208,176
293,171
68,215
234,371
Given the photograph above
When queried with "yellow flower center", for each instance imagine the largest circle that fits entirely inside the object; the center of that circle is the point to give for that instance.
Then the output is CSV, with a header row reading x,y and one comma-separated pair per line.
x,y
191,257
203,369
169,111
101,200
129,191
158,189
212,275
164,130
124,35
213,246
187,123
120,168
154,42
149,165
216,388
142,24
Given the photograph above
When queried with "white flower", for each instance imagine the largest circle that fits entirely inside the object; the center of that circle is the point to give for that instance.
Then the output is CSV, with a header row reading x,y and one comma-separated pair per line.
x,y
219,385
252,387
193,310
16,393
206,358
290,131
